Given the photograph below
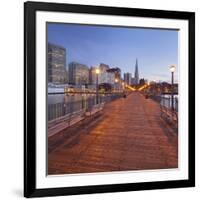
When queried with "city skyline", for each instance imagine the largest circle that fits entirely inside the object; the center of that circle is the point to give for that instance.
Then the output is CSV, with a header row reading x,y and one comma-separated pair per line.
x,y
119,47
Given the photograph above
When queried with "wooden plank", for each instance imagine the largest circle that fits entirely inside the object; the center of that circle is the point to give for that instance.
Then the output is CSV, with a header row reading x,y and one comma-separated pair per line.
x,y
130,136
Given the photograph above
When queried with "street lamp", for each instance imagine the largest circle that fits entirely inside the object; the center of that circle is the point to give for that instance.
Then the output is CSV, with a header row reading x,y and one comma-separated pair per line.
x,y
116,81
123,86
172,69
97,85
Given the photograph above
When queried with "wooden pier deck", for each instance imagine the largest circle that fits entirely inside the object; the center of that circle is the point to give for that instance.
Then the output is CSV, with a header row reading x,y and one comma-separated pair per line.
x,y
129,135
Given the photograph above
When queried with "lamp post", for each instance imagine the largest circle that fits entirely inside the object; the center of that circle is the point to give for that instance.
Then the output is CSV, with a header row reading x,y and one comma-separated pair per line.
x,y
97,85
123,85
116,81
172,69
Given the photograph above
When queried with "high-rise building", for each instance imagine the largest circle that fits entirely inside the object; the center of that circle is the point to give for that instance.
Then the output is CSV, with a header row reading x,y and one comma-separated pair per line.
x,y
56,64
136,77
127,78
78,74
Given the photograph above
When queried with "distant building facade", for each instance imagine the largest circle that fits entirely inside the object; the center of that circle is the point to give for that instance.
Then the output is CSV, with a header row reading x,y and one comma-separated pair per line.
x,y
78,74
92,75
133,81
56,64
142,81
127,78
103,67
105,74
110,77
116,71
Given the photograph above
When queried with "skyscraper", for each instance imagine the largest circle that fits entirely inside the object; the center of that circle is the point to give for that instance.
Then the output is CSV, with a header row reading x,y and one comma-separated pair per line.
x,y
136,77
56,64
78,74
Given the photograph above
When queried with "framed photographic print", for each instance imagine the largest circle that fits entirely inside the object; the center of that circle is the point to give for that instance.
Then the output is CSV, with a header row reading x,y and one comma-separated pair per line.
x,y
109,99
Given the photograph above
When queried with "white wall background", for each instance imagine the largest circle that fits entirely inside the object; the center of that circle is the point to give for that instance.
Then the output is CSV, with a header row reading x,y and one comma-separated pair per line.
x,y
11,100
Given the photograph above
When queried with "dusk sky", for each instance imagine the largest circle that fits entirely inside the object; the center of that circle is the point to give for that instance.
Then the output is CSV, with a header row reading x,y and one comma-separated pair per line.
x,y
155,49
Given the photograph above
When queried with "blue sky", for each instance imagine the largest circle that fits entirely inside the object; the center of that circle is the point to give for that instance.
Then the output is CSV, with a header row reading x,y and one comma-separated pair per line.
x,y
155,49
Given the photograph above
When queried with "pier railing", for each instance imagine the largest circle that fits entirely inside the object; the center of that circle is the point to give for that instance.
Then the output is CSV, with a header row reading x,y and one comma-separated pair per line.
x,y
169,113
87,104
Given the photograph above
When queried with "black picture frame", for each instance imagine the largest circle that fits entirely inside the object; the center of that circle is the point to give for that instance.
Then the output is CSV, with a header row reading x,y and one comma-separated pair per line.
x,y
30,9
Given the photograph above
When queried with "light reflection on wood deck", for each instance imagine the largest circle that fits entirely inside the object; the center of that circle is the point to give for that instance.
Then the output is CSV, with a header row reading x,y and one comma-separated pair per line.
x,y
129,136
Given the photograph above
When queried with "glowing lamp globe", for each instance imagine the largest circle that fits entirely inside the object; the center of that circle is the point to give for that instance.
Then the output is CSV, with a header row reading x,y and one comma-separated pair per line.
x,y
97,71
172,68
